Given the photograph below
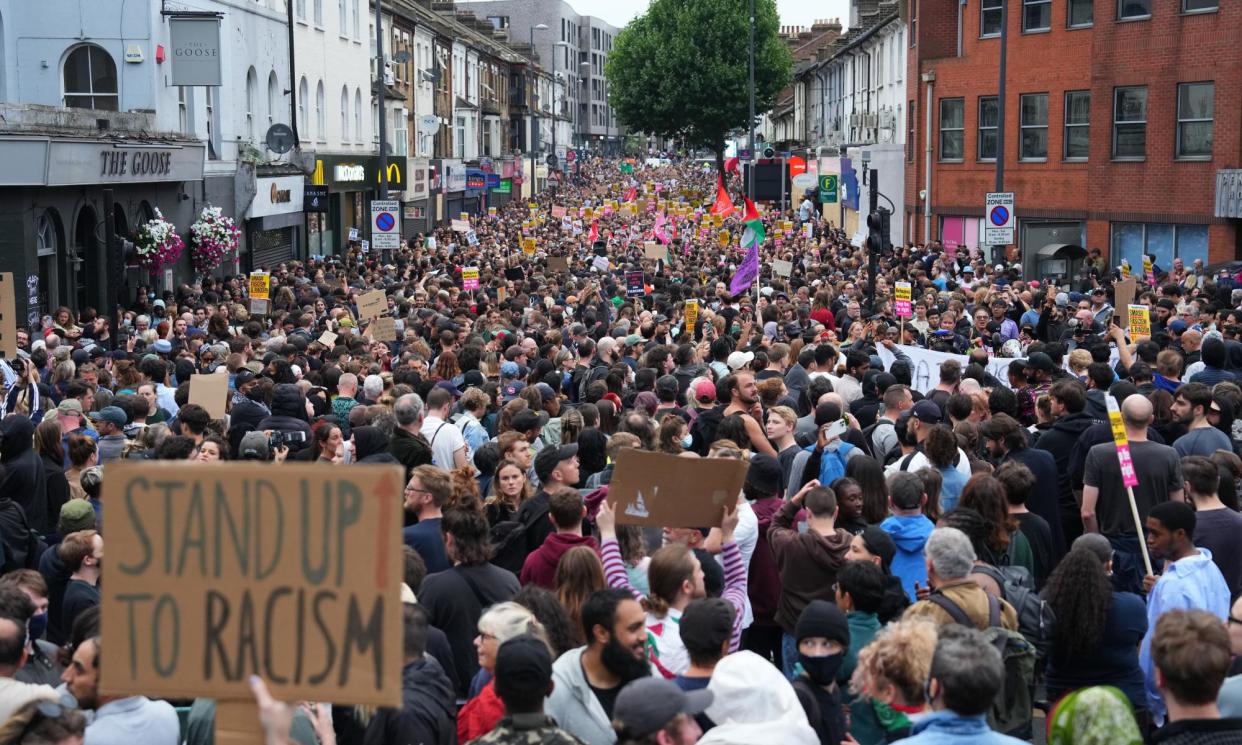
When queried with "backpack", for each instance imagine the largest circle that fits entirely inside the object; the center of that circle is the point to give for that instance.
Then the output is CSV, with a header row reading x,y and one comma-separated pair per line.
x,y
1011,711
1035,617
22,544
509,545
884,458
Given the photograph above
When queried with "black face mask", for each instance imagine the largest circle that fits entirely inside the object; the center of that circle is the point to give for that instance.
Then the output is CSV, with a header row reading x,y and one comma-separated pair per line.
x,y
621,662
822,670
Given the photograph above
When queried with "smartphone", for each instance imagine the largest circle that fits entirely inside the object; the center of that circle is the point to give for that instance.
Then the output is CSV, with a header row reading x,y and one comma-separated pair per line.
x,y
835,429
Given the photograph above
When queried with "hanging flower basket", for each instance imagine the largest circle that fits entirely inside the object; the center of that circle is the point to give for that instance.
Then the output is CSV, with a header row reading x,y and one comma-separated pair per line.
x,y
157,244
215,239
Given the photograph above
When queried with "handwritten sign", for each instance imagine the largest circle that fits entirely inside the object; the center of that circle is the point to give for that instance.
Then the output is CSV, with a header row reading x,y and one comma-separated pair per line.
x,y
470,278
653,250
902,298
210,391
219,573
384,328
782,268
372,304
328,339
1140,320
460,226
558,264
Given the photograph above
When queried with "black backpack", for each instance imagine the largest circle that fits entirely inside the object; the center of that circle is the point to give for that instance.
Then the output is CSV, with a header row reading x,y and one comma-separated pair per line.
x,y
22,544
1035,617
885,458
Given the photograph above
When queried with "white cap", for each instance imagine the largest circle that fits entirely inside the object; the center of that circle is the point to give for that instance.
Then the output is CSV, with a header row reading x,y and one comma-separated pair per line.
x,y
738,360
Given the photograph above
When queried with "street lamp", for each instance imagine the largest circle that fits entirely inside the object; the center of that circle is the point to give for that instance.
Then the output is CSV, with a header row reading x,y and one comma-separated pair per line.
x,y
534,116
555,49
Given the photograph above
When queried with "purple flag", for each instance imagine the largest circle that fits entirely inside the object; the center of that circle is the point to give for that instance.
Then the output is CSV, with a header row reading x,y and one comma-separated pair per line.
x,y
747,272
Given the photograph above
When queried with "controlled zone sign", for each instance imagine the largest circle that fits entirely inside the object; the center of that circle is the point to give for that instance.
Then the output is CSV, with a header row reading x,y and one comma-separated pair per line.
x,y
386,223
998,218
219,573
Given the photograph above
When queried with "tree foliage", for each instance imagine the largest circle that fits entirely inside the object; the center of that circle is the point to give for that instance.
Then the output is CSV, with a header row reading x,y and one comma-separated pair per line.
x,y
681,69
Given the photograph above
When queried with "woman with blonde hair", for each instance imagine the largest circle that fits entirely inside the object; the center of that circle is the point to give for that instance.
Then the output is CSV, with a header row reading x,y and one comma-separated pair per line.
x,y
579,573
889,681
498,624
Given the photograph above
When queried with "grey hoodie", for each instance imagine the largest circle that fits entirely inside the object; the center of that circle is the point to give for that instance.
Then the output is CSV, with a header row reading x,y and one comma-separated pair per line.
x,y
573,705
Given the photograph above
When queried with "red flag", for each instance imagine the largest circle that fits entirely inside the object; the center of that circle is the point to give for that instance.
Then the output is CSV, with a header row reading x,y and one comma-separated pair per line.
x,y
631,194
724,205
731,166
594,236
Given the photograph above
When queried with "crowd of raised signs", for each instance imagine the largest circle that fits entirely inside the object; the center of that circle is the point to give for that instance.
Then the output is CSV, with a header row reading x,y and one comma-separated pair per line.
x,y
1008,514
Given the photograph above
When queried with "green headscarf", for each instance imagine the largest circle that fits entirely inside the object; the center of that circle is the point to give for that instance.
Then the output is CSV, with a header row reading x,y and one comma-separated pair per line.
x,y
1100,715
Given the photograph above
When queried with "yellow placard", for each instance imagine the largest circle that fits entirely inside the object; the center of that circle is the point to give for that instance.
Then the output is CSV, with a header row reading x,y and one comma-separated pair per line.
x,y
692,315
260,285
1140,320
723,238
528,246
903,291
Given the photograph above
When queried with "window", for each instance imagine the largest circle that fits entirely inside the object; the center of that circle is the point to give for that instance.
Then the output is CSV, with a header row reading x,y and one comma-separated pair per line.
x,y
1130,122
952,123
1162,241
252,83
343,17
319,13
1036,15
213,128
273,97
344,115
1133,9
300,9
358,115
357,21
1077,124
1033,117
1195,110
319,104
990,17
303,95
1199,6
90,79
1081,13
183,110
910,132
989,117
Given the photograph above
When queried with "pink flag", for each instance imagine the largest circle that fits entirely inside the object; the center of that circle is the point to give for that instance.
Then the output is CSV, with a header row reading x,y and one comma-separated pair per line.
x,y
660,235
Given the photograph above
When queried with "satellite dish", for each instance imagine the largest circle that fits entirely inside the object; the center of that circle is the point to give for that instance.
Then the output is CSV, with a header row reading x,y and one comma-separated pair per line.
x,y
279,139
428,124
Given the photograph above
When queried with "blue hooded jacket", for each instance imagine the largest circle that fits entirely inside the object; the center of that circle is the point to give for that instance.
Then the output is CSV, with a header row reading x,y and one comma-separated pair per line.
x,y
910,533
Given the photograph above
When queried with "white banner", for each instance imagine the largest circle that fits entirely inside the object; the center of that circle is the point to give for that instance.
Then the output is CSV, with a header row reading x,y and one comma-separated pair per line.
x,y
925,365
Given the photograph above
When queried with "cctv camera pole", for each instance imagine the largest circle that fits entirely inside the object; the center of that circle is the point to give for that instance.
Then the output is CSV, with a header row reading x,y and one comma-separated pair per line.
x,y
750,171
874,242
379,97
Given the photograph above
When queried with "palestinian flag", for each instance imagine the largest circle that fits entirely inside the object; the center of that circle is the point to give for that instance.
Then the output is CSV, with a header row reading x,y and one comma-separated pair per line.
x,y
752,224
724,205
594,234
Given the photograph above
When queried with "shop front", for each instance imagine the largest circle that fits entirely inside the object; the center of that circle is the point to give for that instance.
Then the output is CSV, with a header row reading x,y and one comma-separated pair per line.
x,y
453,176
60,198
352,181
274,222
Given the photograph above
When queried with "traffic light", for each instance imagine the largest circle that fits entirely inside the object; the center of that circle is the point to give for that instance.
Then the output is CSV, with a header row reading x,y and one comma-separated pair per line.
x,y
886,234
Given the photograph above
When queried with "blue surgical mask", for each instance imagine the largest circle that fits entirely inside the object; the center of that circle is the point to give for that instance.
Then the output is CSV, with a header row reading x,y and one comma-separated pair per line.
x,y
686,442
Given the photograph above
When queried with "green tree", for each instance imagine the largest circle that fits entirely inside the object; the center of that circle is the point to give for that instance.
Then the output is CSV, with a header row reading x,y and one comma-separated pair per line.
x,y
680,69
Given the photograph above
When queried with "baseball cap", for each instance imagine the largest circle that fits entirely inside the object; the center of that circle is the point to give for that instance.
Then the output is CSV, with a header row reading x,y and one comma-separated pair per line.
x,y
705,392
523,663
927,411
511,391
647,705
1177,326
545,391
550,457
75,515
738,360
253,446
69,407
509,370
474,378
162,346
877,541
242,377
524,421
448,386
764,474
1062,299
113,414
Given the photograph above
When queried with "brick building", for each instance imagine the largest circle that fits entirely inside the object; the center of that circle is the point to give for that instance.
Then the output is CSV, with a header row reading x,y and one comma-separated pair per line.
x,y
1118,116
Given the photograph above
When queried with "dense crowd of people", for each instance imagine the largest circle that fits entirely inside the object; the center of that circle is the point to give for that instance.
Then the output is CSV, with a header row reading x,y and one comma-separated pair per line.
x,y
934,541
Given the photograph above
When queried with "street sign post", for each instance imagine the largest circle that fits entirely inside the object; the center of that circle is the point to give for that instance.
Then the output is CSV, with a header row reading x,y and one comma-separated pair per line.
x,y
386,223
828,189
998,211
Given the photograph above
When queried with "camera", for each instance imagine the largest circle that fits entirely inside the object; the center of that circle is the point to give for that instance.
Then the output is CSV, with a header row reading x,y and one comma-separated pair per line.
x,y
281,439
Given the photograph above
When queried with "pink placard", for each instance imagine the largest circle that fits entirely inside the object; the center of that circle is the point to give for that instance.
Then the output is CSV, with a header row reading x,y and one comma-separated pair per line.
x,y
902,308
1128,476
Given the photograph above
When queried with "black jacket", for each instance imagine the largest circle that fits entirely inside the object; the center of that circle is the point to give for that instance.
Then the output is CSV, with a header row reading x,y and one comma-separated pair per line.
x,y
410,449
24,478
57,489
246,413
371,446
1059,439
428,713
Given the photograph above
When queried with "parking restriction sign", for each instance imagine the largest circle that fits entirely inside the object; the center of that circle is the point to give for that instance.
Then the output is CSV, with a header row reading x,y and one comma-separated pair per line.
x,y
386,223
998,218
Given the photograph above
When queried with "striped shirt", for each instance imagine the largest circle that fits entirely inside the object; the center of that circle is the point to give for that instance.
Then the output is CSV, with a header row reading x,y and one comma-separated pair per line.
x,y
665,633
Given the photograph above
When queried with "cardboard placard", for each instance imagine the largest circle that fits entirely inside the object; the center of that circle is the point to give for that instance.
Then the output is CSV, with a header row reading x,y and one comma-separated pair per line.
x,y
259,307
384,328
460,226
328,339
558,263
782,268
653,250
219,572
655,489
372,304
1123,297
1140,320
558,211
210,391
8,316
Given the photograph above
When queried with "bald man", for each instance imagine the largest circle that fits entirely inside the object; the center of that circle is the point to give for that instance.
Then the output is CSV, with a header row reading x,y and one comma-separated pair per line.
x,y
1105,504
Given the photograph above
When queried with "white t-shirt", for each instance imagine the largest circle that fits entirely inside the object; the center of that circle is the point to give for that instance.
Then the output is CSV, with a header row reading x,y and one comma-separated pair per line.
x,y
920,461
445,440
